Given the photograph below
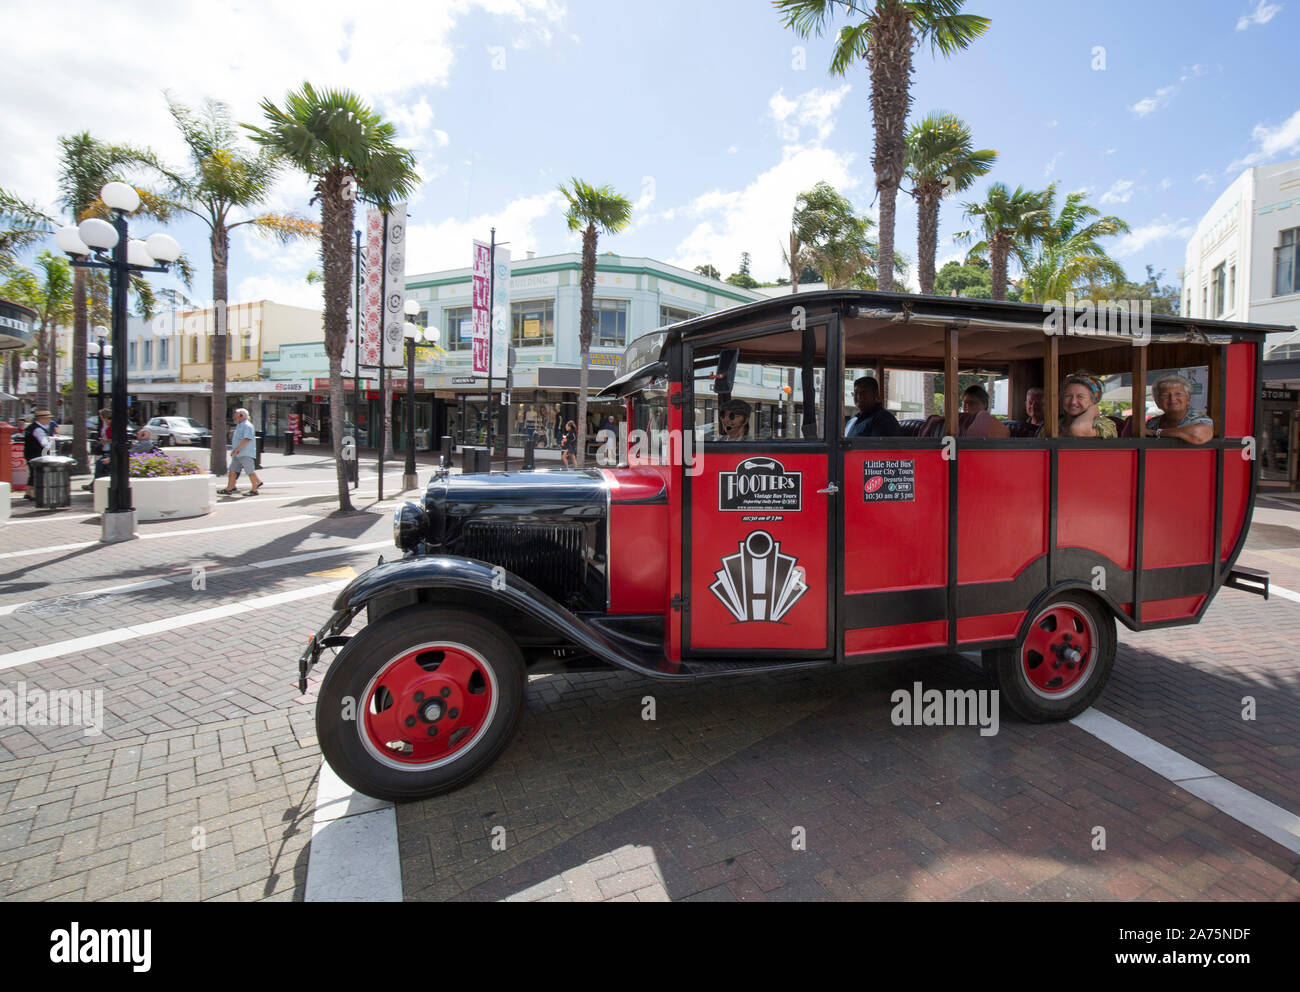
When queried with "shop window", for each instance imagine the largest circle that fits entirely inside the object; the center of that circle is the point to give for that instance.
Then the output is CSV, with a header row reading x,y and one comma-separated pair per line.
x,y
609,323
1286,262
532,323
672,315
458,329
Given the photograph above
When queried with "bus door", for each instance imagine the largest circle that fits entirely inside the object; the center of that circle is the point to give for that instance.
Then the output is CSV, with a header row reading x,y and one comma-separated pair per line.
x,y
758,575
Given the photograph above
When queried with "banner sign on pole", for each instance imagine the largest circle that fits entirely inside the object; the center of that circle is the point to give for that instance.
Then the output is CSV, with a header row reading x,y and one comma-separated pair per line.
x,y
371,302
395,283
482,266
501,314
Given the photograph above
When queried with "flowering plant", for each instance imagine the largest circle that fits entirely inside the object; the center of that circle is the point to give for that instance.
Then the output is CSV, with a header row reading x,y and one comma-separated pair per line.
x,y
156,465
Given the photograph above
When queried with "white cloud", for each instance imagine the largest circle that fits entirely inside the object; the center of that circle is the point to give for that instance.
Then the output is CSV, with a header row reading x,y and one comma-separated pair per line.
x,y
1051,165
446,244
1137,240
1207,180
1149,105
753,219
1120,192
1262,14
814,109
1164,184
732,149
1271,142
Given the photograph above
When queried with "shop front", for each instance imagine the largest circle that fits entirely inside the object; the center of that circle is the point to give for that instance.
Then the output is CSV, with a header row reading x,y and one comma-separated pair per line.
x,y
1278,442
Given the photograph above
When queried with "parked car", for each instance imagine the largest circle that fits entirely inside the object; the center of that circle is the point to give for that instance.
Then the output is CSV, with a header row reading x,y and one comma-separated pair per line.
x,y
789,545
92,428
170,431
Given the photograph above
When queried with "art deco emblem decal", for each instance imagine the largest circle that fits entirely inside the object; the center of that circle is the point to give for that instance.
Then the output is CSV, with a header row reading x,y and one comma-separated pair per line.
x,y
758,582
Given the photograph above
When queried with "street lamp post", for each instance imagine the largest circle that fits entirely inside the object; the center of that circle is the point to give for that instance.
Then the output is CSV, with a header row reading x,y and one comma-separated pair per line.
x,y
100,350
96,237
413,334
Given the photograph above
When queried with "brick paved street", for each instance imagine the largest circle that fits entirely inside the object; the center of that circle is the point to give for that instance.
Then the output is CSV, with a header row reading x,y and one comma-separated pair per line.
x,y
793,786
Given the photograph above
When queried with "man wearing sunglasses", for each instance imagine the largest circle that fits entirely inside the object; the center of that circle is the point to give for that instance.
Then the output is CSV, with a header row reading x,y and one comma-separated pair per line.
x,y
734,420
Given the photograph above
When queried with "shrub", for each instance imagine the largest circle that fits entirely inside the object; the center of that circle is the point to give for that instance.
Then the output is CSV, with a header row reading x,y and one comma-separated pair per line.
x,y
156,465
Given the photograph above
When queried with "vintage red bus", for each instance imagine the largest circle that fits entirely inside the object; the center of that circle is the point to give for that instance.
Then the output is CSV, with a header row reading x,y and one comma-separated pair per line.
x,y
713,549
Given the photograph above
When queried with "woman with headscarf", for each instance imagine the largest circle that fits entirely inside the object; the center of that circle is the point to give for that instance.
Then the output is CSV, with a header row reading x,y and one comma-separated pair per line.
x,y
1080,394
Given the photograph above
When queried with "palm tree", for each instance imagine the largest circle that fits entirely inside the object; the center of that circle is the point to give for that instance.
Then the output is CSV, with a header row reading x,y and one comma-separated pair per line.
x,y
49,293
593,210
941,160
836,239
1010,224
885,38
1069,256
347,150
86,165
21,224
795,255
224,181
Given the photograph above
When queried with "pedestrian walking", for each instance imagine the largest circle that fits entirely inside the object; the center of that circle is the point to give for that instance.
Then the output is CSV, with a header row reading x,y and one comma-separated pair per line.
x,y
243,455
569,446
38,440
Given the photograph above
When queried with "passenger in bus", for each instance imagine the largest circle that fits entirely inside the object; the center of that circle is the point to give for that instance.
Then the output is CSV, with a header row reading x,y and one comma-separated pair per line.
x,y
872,419
734,420
1173,394
1080,394
1034,409
975,419
975,399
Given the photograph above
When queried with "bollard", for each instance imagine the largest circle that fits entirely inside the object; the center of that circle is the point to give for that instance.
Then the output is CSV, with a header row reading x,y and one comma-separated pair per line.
x,y
446,445
259,440
528,455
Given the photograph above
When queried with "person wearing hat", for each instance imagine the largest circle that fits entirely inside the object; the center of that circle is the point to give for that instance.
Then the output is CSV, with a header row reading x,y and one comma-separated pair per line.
x,y
733,418
38,440
1080,394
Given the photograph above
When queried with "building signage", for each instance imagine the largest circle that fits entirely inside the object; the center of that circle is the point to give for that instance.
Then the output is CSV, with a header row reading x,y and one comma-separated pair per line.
x,y
540,281
395,283
604,359
463,380
889,480
481,304
760,484
292,387
1283,395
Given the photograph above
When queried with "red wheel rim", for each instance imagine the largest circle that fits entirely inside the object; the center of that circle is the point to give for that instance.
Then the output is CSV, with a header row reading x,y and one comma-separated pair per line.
x,y
428,706
1059,651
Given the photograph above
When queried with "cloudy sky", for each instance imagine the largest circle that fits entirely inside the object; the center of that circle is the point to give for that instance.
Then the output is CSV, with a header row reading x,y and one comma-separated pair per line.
x,y
707,115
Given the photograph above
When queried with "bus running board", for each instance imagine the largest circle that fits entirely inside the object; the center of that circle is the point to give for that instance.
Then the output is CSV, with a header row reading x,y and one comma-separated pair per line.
x,y
1248,580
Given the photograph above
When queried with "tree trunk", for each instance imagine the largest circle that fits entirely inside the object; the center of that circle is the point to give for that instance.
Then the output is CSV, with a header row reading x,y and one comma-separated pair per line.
x,y
42,368
220,242
586,317
889,62
927,239
998,267
336,262
80,331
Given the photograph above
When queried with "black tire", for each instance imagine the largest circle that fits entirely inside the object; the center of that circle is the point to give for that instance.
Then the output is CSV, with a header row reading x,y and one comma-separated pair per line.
x,y
1074,613
342,728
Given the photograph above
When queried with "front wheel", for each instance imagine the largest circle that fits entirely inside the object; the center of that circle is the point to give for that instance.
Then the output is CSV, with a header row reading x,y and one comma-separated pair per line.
x,y
1061,665
420,702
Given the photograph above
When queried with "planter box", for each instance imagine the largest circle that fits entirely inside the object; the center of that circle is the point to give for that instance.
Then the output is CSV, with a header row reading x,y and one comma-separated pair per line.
x,y
202,457
167,498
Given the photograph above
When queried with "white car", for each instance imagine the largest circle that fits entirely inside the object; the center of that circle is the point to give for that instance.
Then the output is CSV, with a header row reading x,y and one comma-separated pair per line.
x,y
168,431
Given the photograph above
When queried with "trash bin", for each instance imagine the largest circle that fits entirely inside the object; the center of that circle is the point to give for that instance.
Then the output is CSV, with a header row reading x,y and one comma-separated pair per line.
x,y
53,481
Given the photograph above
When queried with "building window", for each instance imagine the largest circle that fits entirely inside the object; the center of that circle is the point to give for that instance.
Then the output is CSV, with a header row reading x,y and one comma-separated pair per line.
x,y
532,323
1188,311
1219,280
163,348
609,323
1232,288
148,354
134,353
248,347
458,329
671,315
1205,301
230,347
1286,262
194,349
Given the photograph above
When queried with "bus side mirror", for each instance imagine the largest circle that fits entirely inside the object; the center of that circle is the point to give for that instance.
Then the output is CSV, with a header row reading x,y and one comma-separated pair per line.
x,y
725,376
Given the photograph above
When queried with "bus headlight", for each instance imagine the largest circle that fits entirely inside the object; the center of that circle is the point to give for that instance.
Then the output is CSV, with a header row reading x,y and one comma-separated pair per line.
x,y
408,526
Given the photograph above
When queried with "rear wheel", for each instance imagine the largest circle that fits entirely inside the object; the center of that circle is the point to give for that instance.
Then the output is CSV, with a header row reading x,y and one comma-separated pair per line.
x,y
420,702
1061,665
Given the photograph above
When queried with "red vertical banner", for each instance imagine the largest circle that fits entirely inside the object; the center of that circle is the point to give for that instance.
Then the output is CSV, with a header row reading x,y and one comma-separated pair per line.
x,y
372,296
482,305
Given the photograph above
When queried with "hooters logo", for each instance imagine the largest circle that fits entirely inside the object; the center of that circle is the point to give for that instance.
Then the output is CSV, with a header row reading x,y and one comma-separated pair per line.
x,y
874,483
758,582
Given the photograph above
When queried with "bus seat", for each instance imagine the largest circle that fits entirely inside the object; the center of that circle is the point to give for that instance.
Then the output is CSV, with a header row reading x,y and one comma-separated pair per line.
x,y
910,428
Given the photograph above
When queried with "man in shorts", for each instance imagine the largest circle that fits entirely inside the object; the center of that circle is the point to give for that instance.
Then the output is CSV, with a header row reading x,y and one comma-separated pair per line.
x,y
243,455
